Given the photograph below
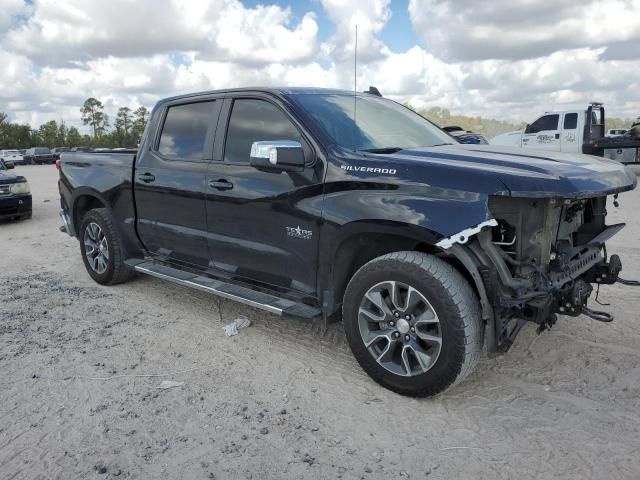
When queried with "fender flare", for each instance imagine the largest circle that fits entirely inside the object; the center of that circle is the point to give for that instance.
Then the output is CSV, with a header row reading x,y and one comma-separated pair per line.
x,y
85,192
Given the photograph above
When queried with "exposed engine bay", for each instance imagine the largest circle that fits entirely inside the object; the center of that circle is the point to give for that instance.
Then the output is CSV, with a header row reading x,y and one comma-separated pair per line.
x,y
542,258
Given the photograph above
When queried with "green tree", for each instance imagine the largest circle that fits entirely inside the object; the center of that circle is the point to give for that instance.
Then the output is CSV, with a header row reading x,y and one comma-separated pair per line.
x,y
93,114
140,118
123,126
20,136
4,126
61,136
48,133
74,139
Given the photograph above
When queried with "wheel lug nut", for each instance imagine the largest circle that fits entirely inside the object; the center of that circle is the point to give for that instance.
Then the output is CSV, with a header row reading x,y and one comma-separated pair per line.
x,y
396,314
407,317
396,334
407,338
413,329
392,323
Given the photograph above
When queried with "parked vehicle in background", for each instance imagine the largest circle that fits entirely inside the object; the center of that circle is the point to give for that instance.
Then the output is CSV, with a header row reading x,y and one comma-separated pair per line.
x,y
625,155
466,136
15,194
39,156
284,200
58,150
80,149
11,157
574,131
616,132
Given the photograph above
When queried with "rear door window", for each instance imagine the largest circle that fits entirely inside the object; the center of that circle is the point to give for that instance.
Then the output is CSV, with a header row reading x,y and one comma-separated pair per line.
x,y
570,121
544,123
254,120
184,131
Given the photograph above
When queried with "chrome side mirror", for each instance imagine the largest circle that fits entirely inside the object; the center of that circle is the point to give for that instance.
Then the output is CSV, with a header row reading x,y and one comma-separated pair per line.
x,y
277,155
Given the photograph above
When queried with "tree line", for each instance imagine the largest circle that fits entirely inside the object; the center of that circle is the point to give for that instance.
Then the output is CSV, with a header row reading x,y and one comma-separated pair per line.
x,y
129,125
490,127
126,131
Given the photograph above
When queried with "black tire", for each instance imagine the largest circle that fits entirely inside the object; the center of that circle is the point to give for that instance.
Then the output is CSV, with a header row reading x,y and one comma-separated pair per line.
x,y
116,270
451,298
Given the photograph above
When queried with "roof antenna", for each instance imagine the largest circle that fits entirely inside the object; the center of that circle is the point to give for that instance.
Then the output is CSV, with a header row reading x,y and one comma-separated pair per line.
x,y
355,88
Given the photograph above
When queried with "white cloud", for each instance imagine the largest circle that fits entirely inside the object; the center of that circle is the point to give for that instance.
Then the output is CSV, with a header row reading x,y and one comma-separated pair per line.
x,y
11,9
62,31
510,29
369,16
262,35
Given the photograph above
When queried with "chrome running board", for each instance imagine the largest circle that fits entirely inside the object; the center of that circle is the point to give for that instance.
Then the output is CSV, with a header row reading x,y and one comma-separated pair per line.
x,y
237,293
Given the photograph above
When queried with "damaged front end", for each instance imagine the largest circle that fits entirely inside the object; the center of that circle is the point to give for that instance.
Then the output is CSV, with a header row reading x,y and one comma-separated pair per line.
x,y
537,258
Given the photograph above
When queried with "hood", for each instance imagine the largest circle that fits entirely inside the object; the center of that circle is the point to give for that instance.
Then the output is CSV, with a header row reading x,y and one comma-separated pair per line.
x,y
524,173
509,139
7,177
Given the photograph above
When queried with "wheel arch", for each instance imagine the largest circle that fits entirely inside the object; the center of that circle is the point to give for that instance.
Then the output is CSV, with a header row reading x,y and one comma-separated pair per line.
x,y
84,200
361,242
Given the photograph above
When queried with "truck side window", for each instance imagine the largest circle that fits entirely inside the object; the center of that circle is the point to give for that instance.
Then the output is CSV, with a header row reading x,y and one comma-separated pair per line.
x,y
570,121
185,129
255,120
544,123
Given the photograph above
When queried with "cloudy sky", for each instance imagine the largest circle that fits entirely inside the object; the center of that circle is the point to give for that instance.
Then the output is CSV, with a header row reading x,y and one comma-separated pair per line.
x,y
507,59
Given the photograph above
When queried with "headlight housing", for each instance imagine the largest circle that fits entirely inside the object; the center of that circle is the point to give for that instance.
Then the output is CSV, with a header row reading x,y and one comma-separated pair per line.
x,y
20,188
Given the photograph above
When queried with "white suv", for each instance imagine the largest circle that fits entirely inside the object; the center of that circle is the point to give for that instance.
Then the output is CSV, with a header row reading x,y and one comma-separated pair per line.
x,y
13,157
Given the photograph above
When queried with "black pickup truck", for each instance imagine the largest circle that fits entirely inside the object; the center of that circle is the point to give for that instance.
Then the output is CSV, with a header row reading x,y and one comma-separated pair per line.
x,y
321,203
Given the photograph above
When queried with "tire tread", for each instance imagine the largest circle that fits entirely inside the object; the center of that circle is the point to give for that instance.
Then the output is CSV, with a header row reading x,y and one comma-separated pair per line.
x,y
462,301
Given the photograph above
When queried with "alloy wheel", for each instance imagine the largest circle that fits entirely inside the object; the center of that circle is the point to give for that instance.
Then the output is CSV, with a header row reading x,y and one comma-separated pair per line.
x,y
400,328
96,248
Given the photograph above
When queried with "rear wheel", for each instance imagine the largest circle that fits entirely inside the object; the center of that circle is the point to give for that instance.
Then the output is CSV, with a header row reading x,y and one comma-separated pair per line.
x,y
413,323
100,249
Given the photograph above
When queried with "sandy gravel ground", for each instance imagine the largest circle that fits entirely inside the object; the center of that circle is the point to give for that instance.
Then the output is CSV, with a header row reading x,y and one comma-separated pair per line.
x,y
80,363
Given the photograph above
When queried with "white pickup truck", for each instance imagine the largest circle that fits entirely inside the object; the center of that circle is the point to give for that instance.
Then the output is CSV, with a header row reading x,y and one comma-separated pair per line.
x,y
581,131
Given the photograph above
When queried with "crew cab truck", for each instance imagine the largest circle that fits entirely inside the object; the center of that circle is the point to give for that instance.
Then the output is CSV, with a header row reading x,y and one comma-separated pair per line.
x,y
292,201
573,131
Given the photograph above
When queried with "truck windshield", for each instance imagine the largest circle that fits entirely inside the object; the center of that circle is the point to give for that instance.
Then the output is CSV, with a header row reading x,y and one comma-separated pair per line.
x,y
380,125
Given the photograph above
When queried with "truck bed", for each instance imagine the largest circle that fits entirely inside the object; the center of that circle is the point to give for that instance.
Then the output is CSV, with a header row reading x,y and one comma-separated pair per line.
x,y
622,149
616,142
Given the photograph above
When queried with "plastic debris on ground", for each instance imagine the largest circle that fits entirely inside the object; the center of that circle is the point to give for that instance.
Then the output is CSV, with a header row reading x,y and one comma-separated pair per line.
x,y
232,328
165,384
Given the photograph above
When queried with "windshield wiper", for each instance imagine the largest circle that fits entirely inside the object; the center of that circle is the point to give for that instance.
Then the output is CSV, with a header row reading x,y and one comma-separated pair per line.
x,y
385,150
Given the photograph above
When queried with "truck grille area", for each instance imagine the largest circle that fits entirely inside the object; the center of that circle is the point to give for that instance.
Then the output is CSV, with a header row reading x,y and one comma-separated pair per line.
x,y
5,190
574,268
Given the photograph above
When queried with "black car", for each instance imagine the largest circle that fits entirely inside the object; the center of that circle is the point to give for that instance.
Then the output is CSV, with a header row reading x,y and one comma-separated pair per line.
x,y
15,195
283,199
466,136
39,156
59,150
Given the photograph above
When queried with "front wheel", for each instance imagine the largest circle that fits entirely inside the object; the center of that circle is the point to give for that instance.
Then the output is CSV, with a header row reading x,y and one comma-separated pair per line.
x,y
100,249
413,323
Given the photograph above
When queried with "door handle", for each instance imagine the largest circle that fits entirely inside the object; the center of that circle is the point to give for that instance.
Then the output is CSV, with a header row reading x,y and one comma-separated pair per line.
x,y
221,184
147,177
557,135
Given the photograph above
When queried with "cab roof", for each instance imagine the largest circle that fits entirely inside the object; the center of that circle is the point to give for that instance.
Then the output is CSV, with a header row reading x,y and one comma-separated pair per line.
x,y
276,91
